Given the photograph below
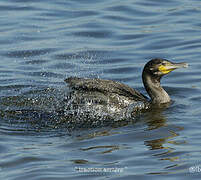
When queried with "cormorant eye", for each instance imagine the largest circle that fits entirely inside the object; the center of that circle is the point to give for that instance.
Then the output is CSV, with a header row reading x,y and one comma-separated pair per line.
x,y
163,63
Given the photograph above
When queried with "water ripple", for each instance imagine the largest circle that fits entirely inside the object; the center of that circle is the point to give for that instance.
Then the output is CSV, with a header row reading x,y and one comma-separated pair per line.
x,y
28,53
43,42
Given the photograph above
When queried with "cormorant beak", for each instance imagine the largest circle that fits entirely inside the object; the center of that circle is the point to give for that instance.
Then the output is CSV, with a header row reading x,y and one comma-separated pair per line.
x,y
168,67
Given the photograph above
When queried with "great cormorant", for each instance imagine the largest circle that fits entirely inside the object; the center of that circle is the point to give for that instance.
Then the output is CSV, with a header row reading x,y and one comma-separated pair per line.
x,y
110,96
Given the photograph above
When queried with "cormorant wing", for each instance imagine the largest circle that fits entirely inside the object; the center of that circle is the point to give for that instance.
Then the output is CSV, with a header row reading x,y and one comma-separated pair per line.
x,y
104,86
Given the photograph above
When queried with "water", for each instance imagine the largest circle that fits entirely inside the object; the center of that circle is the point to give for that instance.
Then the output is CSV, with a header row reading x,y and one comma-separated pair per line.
x,y
43,42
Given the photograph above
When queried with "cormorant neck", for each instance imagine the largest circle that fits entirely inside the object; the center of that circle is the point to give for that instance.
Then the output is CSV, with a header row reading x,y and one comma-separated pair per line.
x,y
153,87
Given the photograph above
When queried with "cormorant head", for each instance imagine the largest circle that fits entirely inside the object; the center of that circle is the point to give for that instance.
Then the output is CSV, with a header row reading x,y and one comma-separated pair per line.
x,y
159,67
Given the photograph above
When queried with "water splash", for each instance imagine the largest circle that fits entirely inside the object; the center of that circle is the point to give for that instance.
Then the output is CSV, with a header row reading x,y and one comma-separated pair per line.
x,y
95,107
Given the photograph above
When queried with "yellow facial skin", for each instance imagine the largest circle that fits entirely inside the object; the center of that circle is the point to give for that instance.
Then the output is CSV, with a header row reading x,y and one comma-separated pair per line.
x,y
165,69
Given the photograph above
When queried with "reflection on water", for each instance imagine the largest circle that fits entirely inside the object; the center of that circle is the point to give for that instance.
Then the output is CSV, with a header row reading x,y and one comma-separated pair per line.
x,y
44,42
158,137
37,111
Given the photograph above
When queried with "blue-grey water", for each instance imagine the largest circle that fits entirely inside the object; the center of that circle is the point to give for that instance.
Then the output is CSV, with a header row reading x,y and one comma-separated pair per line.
x,y
44,42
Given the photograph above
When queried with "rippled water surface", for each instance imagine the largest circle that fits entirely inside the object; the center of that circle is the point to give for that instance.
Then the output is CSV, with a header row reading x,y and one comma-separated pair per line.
x,y
44,42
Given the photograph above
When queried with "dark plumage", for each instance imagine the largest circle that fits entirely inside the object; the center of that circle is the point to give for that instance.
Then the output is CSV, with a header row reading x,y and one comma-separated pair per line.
x,y
108,95
104,86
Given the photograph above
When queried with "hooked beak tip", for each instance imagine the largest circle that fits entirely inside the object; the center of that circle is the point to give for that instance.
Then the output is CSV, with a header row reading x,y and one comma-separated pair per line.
x,y
181,65
185,65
